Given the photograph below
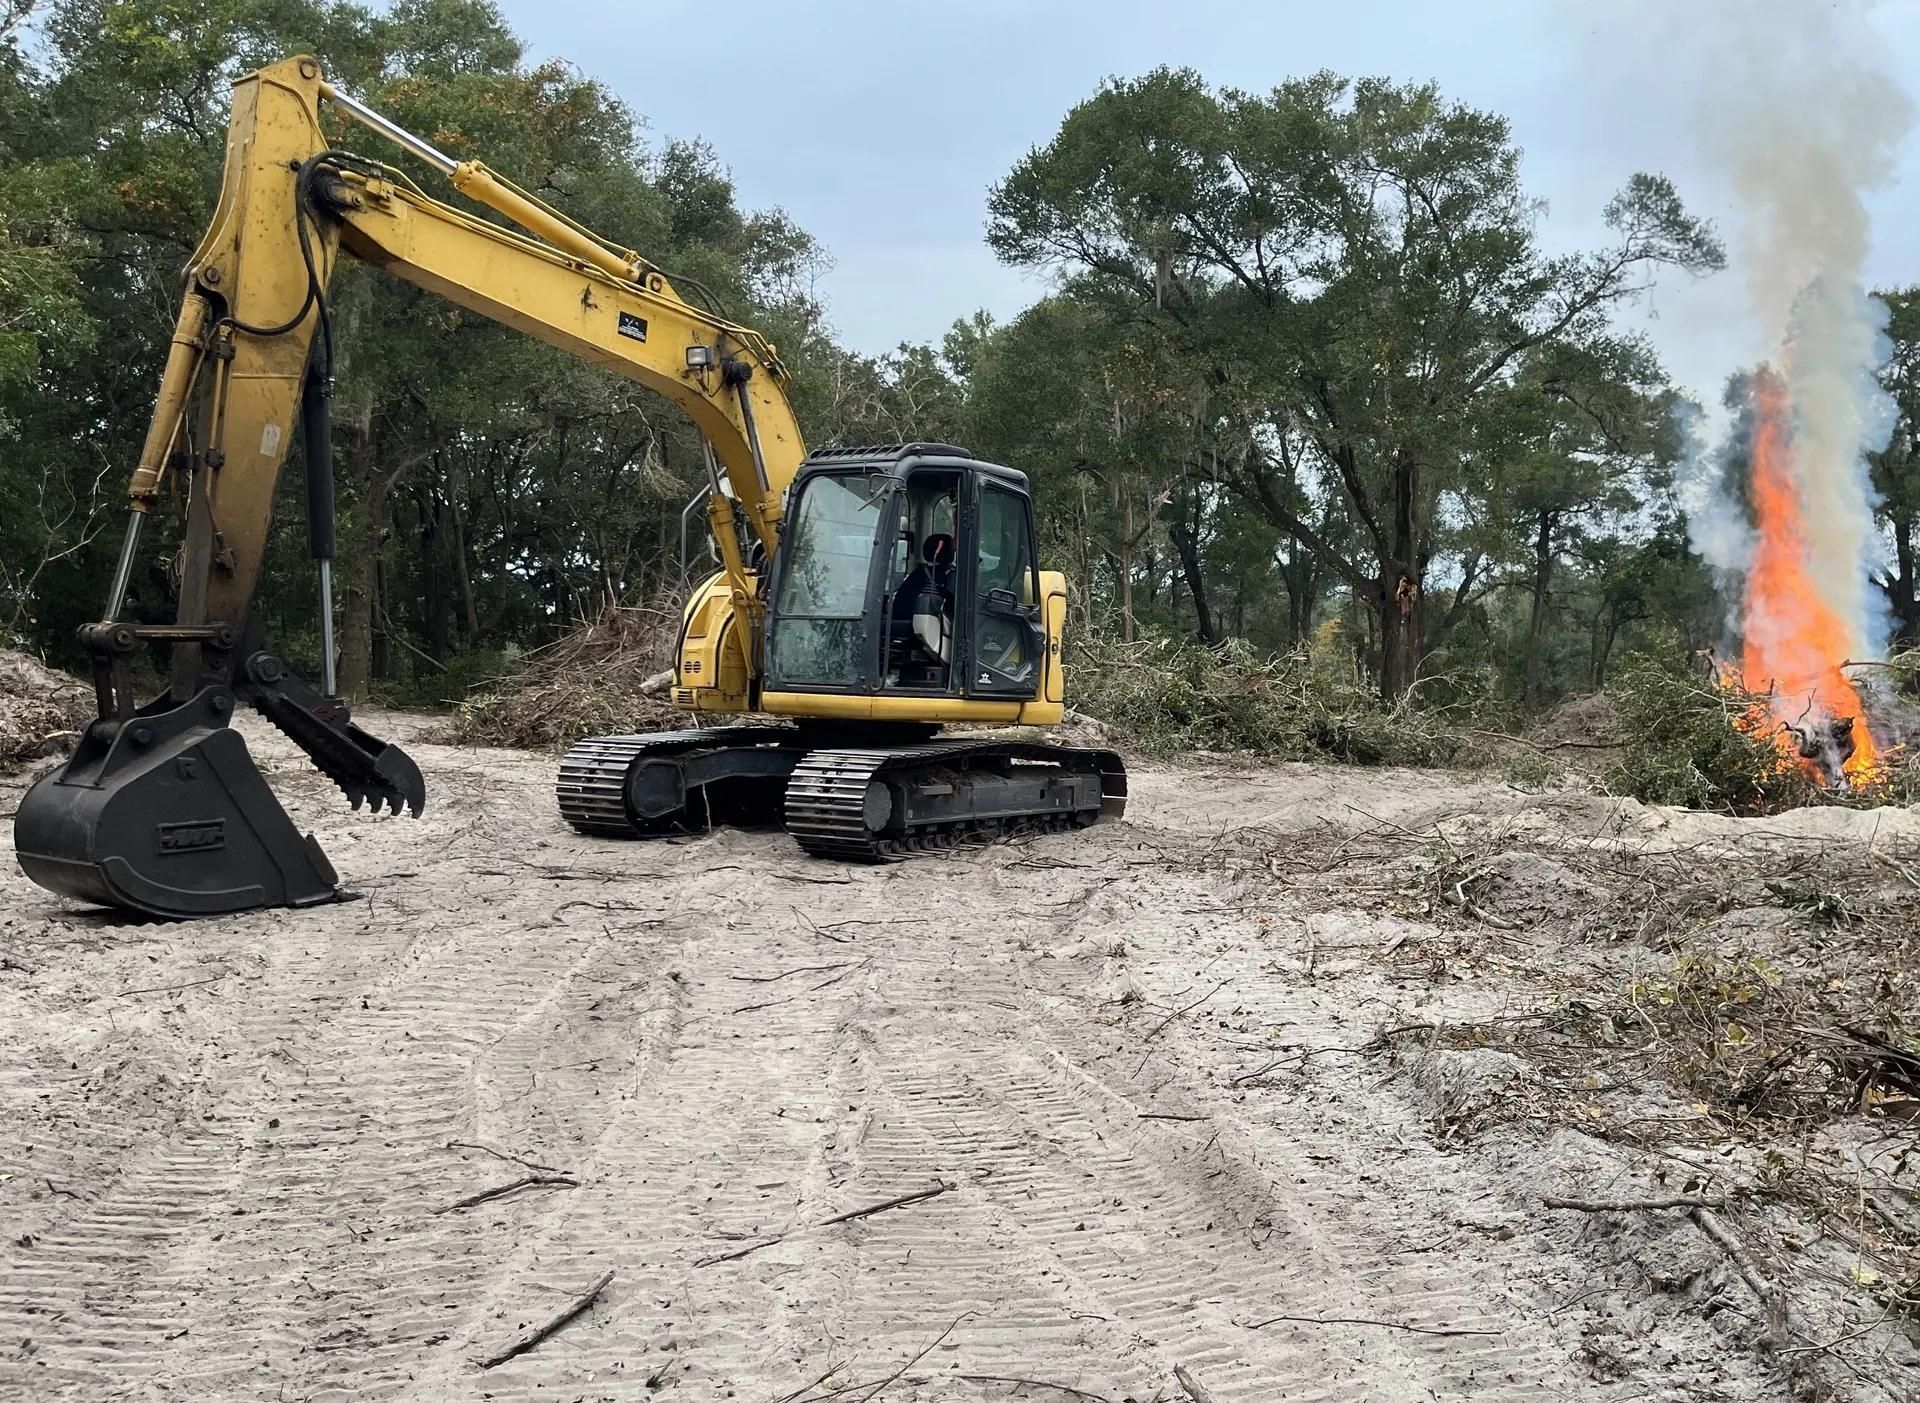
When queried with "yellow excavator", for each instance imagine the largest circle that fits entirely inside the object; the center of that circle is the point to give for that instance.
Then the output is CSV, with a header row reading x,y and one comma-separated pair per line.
x,y
866,597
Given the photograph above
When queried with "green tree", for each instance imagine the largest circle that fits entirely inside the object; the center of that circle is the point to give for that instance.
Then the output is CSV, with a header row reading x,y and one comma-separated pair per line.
x,y
1349,265
1896,470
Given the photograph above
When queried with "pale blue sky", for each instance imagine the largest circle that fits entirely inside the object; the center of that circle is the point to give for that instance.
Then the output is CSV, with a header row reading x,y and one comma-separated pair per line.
x,y
880,126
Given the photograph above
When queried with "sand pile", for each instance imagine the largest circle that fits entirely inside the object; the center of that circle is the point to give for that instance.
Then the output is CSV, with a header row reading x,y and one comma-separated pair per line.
x,y
42,712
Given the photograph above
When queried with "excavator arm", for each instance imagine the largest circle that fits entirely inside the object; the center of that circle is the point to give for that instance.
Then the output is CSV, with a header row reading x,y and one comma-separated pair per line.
x,y
160,809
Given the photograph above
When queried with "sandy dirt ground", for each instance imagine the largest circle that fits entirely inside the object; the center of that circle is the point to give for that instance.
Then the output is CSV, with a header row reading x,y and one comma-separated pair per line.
x,y
1140,1065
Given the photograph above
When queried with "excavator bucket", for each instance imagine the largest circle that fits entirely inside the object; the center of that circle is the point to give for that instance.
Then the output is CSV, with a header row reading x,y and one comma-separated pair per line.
x,y
165,812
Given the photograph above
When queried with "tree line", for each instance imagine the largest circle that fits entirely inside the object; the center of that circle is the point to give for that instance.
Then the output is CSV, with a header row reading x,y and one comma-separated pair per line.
x,y
1305,376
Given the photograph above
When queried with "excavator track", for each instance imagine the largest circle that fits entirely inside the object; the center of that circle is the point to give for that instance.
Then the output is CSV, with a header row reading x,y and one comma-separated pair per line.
x,y
871,804
596,775
879,805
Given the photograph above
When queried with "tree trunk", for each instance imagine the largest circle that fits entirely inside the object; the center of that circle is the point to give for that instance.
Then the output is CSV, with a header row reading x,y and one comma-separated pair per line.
x,y
1901,586
1537,622
1187,546
1399,634
382,612
1400,585
356,572
1301,581
1126,568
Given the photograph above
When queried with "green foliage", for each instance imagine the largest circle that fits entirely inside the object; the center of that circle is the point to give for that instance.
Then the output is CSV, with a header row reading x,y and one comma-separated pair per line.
x,y
1683,746
1334,296
1170,696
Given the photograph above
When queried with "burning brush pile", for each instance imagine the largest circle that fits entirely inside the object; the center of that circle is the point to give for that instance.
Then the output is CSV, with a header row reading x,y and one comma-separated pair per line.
x,y
1806,617
605,677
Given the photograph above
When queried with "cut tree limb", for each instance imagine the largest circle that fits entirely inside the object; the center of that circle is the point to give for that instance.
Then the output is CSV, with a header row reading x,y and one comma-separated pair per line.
x,y
535,1336
925,1350
1196,1390
529,1181
1369,1320
1769,1294
1161,1026
657,684
888,1205
1628,1205
498,1153
1018,1381
1701,1211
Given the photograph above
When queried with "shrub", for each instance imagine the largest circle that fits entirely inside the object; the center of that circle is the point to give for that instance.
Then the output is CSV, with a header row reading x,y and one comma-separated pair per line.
x,y
1166,696
1681,744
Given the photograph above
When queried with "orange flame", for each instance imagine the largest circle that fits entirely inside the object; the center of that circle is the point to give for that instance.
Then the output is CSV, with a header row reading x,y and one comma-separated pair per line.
x,y
1792,640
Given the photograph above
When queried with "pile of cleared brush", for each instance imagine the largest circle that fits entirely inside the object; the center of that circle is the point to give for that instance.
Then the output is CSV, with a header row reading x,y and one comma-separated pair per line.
x,y
42,712
606,677
1168,696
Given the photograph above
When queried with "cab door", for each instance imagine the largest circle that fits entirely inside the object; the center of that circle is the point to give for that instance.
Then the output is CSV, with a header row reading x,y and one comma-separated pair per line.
x,y
1006,639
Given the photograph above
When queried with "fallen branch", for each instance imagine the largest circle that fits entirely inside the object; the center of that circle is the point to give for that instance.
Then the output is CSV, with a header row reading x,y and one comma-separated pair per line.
x,y
1195,1389
845,971
927,1349
1458,897
1167,1115
534,1337
556,1181
1367,1320
1160,1027
1701,1210
933,1191
170,988
1547,745
1299,1057
1035,1383
1769,1295
502,1154
917,1196
789,973
1628,1205
832,1369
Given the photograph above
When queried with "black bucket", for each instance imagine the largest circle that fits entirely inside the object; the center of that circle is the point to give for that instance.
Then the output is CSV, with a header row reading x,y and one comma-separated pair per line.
x,y
165,813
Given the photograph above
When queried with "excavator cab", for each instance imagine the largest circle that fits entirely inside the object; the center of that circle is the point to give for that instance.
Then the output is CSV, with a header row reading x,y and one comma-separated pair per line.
x,y
906,572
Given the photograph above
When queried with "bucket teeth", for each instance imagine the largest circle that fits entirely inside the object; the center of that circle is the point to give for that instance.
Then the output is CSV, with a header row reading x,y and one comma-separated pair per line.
x,y
365,768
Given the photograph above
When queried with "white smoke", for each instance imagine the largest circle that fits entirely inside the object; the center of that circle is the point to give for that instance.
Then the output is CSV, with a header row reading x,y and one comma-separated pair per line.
x,y
1798,109
1718,526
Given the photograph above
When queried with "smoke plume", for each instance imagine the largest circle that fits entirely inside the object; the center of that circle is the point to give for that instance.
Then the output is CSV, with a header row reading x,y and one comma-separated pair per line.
x,y
1801,117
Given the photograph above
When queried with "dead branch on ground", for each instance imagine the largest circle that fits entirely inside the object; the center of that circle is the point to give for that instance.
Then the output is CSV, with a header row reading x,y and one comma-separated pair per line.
x,y
1368,1320
1195,1389
1161,1026
1628,1205
1020,1382
529,1181
535,1336
925,1350
886,1206
502,1154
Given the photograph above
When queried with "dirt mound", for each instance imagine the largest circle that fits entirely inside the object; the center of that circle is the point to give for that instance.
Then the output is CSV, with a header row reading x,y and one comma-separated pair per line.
x,y
41,711
605,677
1588,722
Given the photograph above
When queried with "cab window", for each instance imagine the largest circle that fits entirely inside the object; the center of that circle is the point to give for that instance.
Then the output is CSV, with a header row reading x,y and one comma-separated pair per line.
x,y
817,634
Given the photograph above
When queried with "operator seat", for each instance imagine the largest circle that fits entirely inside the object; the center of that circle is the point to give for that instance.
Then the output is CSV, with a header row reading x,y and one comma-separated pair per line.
x,y
923,605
